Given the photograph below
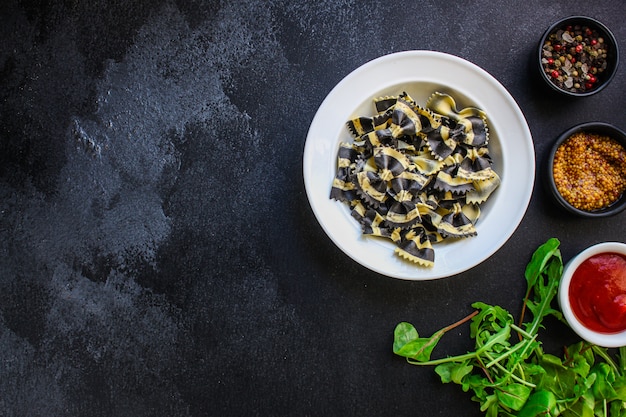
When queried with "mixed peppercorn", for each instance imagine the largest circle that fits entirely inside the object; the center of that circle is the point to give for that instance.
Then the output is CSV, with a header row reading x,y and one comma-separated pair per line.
x,y
590,171
574,58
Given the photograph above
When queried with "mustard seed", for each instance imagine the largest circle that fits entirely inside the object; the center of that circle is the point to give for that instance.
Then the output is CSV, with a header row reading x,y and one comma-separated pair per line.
x,y
590,171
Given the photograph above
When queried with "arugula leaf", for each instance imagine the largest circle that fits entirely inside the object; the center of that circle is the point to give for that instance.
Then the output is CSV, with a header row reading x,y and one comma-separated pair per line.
x,y
453,372
579,358
404,334
617,409
558,378
407,342
538,267
513,396
539,259
544,287
602,387
540,403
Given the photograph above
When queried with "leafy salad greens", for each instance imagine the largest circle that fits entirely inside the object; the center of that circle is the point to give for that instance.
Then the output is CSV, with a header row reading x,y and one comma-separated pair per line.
x,y
508,373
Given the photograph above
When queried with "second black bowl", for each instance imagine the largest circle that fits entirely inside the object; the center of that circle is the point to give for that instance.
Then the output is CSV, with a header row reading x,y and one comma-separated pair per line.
x,y
603,129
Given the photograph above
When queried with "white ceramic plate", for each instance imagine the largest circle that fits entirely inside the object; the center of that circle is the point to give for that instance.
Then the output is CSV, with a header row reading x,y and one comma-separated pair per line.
x,y
420,73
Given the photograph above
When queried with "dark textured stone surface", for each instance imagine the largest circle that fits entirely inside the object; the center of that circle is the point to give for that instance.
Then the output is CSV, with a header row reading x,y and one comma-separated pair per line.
x,y
158,256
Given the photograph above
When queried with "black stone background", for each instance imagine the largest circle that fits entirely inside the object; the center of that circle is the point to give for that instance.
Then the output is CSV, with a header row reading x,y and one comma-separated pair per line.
x,y
158,256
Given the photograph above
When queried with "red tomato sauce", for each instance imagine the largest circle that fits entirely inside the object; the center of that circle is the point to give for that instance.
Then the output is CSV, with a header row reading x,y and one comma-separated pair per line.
x,y
598,292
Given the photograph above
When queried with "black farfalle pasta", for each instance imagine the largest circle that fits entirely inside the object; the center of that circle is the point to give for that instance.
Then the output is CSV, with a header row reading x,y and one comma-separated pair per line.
x,y
416,175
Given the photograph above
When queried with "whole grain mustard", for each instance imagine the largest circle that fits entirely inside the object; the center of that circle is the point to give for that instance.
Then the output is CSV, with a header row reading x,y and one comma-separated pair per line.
x,y
590,170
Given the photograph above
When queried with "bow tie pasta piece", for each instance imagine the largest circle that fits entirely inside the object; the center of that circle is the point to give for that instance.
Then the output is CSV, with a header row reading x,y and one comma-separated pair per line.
x,y
384,104
483,189
425,163
377,138
441,143
407,185
476,165
343,186
448,180
456,223
363,125
402,214
373,223
472,131
390,162
415,246
371,187
445,105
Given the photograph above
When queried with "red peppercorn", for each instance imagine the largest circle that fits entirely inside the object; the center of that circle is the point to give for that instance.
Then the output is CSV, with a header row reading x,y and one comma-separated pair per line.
x,y
588,85
592,79
579,48
550,61
557,47
554,74
594,41
573,60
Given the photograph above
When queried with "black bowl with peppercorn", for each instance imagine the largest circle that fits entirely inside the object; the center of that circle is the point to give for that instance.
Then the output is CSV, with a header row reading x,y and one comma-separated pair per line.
x,y
586,170
578,56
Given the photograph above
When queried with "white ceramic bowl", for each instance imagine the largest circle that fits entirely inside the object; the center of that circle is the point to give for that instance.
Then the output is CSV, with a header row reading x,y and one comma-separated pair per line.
x,y
420,74
598,338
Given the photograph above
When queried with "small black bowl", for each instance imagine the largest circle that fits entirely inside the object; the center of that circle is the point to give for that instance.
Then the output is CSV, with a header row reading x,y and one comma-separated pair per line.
x,y
604,129
612,58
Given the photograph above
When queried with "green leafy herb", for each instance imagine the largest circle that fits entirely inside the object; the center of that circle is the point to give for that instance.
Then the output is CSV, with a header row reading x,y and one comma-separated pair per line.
x,y
508,372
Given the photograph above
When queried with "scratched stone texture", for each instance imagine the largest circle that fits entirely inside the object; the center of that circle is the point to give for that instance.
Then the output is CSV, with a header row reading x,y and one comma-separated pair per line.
x,y
158,256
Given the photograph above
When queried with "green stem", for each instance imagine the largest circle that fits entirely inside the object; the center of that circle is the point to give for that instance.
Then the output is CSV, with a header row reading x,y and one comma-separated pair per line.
x,y
463,320
522,375
522,332
538,318
495,339
496,362
515,377
458,358
508,353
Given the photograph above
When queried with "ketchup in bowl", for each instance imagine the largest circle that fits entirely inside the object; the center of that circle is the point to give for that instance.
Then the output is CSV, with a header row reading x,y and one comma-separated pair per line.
x,y
597,292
